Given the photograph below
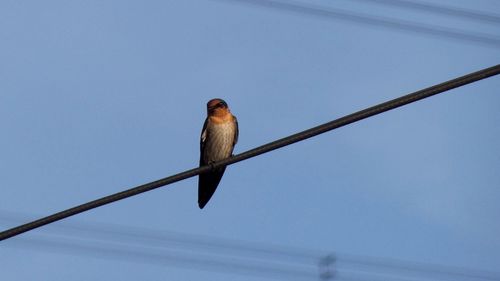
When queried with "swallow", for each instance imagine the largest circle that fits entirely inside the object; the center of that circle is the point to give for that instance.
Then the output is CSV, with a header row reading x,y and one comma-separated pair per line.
x,y
218,138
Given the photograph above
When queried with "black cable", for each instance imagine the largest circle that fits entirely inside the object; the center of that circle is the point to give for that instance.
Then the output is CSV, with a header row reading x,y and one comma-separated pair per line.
x,y
141,240
439,9
176,240
354,117
156,239
344,15
410,268
192,261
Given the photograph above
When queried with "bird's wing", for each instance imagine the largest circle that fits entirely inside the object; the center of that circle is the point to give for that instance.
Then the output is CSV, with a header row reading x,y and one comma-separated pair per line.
x,y
203,138
207,184
236,131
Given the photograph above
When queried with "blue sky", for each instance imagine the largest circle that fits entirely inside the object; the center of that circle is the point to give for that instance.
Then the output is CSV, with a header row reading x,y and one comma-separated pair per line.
x,y
100,96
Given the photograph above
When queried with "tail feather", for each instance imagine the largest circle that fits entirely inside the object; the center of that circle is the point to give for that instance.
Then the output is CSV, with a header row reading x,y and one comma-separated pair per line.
x,y
207,184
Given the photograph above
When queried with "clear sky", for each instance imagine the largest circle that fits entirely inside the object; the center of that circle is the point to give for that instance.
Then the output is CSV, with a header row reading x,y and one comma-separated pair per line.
x,y
99,96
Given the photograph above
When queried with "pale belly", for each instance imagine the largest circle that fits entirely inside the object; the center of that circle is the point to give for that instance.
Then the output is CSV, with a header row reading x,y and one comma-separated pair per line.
x,y
219,142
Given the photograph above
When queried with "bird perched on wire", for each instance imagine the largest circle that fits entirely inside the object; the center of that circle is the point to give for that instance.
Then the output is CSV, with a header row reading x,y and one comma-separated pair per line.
x,y
218,138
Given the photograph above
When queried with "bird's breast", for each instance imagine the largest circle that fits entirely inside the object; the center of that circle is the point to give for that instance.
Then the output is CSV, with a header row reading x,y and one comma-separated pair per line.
x,y
219,143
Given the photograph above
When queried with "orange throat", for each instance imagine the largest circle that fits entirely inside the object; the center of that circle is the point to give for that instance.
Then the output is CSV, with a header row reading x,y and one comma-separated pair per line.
x,y
220,115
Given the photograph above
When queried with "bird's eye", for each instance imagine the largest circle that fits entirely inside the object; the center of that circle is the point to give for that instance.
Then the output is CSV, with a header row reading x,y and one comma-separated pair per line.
x,y
221,104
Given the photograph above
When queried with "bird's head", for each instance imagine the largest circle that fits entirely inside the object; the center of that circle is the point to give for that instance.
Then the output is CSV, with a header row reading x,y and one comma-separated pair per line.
x,y
217,107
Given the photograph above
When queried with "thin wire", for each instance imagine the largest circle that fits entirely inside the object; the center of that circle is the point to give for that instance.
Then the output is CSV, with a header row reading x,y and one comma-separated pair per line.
x,y
421,268
141,240
439,9
170,239
344,15
356,275
189,261
195,261
346,120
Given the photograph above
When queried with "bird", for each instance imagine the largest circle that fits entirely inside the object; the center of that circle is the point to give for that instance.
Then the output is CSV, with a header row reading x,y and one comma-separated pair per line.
x,y
218,138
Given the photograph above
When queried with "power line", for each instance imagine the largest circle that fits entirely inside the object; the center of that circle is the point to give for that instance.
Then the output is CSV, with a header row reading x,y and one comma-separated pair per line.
x,y
127,251
171,239
346,120
439,9
344,15
169,244
435,271
190,261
